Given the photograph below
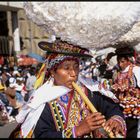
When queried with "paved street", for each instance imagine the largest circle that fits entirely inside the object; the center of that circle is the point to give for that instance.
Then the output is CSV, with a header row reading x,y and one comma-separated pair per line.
x,y
7,129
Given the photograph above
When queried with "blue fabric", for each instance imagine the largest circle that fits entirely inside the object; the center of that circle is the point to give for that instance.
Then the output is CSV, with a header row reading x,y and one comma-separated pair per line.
x,y
4,99
19,97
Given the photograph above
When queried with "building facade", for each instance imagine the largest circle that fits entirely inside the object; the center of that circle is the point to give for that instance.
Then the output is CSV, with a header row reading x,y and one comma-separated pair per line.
x,y
18,34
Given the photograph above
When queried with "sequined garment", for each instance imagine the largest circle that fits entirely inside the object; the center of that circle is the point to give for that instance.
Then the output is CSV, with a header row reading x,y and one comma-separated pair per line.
x,y
129,96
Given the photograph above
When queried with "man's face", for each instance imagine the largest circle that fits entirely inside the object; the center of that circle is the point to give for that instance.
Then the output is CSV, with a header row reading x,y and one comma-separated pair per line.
x,y
66,73
123,63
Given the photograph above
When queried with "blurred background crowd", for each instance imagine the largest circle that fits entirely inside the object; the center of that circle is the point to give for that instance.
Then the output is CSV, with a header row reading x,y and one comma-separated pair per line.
x,y
16,84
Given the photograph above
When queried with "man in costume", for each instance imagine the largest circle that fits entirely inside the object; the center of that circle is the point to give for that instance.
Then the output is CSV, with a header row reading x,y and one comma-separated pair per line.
x,y
127,88
56,110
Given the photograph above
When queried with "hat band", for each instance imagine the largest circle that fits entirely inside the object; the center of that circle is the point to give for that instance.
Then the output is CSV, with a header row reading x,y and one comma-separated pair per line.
x,y
54,62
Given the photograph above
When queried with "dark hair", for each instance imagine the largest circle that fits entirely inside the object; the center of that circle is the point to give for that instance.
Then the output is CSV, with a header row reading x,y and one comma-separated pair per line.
x,y
126,57
32,71
124,52
110,55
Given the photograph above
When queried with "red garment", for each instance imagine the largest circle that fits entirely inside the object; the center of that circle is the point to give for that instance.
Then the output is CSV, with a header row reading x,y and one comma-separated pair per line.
x,y
1,60
129,96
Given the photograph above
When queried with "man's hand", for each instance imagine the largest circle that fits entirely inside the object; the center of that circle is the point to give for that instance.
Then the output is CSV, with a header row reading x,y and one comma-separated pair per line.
x,y
114,126
91,122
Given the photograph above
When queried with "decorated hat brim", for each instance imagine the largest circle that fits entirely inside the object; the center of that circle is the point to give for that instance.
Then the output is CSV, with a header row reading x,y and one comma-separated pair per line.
x,y
46,46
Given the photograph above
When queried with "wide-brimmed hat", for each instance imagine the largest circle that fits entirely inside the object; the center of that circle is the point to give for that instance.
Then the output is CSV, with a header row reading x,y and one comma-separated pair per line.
x,y
125,51
59,51
64,48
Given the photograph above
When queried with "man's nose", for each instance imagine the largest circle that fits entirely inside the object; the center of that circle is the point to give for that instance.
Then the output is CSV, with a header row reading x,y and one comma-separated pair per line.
x,y
120,64
73,73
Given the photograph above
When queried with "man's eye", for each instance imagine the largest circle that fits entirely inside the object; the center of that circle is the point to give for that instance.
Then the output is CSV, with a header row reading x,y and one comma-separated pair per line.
x,y
66,68
76,66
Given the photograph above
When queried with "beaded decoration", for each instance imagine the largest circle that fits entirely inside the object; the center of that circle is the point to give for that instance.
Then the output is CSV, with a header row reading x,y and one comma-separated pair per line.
x,y
129,96
62,50
62,47
66,118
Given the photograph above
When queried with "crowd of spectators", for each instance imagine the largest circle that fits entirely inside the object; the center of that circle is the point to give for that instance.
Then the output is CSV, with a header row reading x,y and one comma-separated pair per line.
x,y
16,86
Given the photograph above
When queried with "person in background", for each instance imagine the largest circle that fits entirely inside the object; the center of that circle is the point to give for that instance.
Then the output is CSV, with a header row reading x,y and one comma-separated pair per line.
x,y
3,114
127,88
19,89
4,75
10,93
2,95
30,83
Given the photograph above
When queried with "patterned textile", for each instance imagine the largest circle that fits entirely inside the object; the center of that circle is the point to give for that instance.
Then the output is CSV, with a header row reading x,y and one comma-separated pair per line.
x,y
40,76
68,111
128,94
59,51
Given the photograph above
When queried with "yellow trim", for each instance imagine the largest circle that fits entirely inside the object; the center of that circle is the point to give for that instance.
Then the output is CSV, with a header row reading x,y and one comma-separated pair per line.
x,y
53,114
59,116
